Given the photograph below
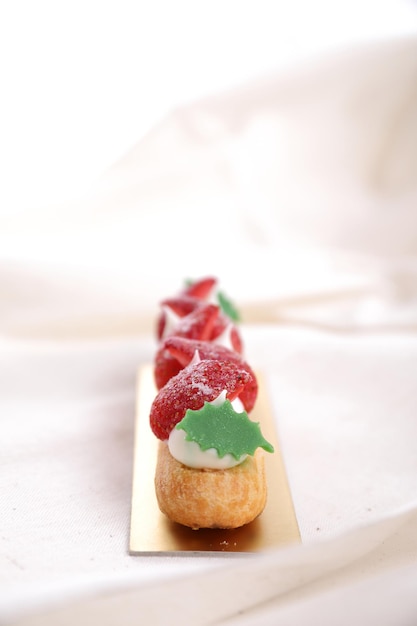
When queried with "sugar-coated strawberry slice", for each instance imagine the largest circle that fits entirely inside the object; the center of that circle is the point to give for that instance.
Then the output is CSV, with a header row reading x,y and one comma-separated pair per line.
x,y
190,388
224,324
187,300
160,325
183,350
180,305
201,288
198,324
165,366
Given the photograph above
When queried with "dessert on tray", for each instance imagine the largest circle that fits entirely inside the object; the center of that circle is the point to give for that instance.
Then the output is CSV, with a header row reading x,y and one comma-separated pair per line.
x,y
210,466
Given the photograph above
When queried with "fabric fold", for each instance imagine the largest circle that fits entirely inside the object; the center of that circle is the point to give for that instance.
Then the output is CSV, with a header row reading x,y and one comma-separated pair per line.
x,y
255,590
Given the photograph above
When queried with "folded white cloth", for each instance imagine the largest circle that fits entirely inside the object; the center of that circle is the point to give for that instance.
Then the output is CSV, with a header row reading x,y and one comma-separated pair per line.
x,y
361,576
300,194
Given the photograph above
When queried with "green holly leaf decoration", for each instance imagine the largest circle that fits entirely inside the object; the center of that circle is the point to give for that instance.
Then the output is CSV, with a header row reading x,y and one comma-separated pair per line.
x,y
220,427
228,307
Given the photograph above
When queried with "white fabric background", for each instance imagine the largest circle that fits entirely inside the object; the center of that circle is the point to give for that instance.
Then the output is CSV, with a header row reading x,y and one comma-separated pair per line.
x,y
299,190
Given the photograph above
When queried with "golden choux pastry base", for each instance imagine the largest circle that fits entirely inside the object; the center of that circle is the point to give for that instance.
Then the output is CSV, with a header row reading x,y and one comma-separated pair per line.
x,y
152,532
210,498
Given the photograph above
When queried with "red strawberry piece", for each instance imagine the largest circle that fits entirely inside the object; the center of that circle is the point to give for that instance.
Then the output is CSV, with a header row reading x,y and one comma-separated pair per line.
x,y
190,388
160,325
180,305
186,301
236,339
201,288
183,351
223,324
165,367
198,324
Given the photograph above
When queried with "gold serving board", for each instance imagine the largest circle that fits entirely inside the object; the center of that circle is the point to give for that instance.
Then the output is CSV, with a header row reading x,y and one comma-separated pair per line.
x,y
151,532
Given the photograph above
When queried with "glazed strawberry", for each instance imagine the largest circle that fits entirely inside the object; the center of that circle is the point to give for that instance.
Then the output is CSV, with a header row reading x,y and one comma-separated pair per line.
x,y
190,388
165,367
188,299
201,289
198,324
224,325
180,306
177,352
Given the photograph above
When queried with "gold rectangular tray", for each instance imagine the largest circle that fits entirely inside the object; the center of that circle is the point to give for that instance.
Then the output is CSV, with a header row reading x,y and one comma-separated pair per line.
x,y
151,532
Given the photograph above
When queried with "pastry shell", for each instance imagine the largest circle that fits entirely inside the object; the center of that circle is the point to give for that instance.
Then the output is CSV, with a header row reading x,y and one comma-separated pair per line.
x,y
201,498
